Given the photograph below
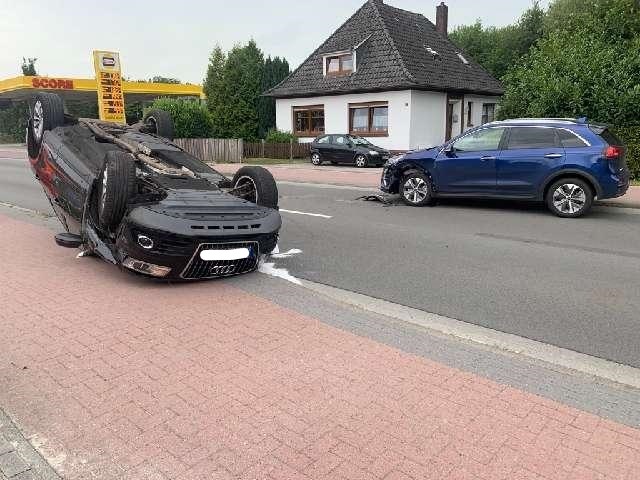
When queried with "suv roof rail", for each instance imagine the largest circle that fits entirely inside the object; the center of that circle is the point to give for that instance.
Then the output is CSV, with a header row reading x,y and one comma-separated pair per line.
x,y
582,120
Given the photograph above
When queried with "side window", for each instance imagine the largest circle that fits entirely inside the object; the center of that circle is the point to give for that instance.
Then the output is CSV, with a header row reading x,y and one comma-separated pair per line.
x,y
532,137
324,139
569,140
339,140
481,140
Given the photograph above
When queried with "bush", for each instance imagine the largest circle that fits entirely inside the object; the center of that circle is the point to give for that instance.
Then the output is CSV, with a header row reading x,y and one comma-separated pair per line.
x,y
276,136
630,135
13,122
191,119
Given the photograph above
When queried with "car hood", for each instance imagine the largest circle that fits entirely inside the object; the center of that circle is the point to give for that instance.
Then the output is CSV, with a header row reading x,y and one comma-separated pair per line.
x,y
364,148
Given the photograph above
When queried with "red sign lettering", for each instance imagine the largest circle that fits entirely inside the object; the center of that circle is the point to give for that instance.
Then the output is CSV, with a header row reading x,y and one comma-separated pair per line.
x,y
52,83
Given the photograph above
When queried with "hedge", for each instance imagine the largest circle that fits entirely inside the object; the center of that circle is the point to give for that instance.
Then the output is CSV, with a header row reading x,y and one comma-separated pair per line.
x,y
630,135
13,122
191,119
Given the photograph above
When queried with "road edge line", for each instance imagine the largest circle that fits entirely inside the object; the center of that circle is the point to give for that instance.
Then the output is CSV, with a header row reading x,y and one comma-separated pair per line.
x,y
507,342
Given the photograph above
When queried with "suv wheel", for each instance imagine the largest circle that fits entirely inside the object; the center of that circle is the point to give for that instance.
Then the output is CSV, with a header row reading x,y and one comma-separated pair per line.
x,y
415,189
316,159
569,198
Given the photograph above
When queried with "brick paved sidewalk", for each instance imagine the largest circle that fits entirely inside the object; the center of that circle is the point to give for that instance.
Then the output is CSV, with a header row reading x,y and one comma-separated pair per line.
x,y
111,376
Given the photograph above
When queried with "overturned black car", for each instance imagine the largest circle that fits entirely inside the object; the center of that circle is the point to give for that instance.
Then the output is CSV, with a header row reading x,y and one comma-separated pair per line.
x,y
132,197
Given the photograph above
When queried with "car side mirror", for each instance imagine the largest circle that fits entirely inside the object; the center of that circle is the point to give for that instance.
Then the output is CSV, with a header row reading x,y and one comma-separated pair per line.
x,y
449,149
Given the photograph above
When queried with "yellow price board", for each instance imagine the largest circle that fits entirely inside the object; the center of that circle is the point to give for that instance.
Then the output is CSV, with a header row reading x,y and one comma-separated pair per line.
x,y
109,82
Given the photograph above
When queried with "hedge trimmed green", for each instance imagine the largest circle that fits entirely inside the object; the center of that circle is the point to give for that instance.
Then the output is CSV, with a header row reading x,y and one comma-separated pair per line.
x,y
276,136
630,135
13,122
191,119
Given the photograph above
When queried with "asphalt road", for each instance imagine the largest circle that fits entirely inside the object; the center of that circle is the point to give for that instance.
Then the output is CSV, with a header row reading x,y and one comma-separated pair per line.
x,y
514,268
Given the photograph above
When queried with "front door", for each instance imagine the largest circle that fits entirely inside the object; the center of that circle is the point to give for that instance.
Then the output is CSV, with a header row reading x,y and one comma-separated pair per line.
x,y
454,117
342,149
529,155
468,167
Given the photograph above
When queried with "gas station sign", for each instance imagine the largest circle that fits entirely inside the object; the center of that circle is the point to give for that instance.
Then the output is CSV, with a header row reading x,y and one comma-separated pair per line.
x,y
52,83
109,83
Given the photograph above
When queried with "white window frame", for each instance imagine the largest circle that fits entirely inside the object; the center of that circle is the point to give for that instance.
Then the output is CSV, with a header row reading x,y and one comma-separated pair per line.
x,y
338,54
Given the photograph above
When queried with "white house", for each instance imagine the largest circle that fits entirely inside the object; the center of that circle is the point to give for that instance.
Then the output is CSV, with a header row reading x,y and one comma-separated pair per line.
x,y
391,76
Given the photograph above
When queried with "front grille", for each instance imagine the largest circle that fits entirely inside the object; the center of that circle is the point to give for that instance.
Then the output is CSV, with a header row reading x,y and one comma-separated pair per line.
x,y
200,269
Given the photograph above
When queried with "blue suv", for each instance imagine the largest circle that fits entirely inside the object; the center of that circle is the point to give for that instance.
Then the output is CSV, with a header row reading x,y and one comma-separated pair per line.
x,y
565,163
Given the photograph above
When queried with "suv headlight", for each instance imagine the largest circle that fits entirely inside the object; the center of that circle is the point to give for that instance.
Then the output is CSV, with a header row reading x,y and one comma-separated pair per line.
x,y
373,152
393,160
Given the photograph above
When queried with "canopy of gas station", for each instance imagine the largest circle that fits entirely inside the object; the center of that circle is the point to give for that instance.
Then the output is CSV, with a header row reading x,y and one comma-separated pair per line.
x,y
85,89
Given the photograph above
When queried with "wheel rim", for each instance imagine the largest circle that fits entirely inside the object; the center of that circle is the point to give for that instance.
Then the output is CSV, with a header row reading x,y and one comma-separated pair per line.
x,y
360,161
153,124
569,198
315,159
38,121
415,189
103,193
247,189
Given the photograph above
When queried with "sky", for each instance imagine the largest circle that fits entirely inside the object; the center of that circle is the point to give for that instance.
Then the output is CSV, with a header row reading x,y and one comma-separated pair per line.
x,y
174,39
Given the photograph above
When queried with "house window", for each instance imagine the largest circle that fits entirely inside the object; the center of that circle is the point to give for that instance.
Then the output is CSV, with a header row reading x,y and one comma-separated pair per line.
x,y
469,114
369,119
308,121
336,65
488,112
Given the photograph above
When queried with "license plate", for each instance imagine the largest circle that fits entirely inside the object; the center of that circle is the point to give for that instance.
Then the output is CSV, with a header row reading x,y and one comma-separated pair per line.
x,y
220,255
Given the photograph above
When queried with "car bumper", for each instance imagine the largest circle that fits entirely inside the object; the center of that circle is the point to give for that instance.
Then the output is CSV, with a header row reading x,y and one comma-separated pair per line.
x,y
389,180
172,249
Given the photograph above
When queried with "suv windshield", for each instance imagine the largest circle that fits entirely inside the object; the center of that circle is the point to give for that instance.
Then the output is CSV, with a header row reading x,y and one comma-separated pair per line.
x,y
360,141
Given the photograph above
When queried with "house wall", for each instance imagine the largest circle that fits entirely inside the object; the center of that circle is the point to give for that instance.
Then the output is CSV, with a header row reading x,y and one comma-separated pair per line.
x,y
416,118
476,109
336,115
428,118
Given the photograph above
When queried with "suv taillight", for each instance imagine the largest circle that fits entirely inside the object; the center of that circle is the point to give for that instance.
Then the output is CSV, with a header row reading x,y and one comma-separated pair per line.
x,y
613,152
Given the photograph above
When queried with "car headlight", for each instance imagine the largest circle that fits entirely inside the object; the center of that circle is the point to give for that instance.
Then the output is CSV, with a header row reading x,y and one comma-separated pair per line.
x,y
393,160
373,152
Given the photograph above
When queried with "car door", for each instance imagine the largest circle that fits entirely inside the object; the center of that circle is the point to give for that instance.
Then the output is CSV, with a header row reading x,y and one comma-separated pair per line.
x,y
468,165
342,149
323,145
530,154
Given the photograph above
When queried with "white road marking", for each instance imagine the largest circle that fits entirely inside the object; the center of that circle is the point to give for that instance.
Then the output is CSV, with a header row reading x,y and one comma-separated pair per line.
x,y
287,254
296,212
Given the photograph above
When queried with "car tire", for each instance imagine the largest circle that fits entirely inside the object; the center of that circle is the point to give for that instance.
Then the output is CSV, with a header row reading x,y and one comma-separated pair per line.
x,y
316,159
160,123
117,184
46,113
569,198
269,244
415,189
257,185
361,161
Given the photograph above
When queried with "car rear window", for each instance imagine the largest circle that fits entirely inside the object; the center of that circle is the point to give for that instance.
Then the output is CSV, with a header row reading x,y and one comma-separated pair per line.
x,y
607,135
532,137
570,140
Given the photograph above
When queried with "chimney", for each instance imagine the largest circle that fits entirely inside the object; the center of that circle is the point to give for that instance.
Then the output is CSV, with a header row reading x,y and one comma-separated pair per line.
x,y
442,19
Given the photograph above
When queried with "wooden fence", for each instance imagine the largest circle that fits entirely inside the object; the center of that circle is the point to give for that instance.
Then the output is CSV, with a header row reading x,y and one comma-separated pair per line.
x,y
213,149
276,150
233,150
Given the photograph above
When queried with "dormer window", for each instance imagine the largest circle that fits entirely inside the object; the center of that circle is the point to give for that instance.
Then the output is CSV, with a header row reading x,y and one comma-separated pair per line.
x,y
339,64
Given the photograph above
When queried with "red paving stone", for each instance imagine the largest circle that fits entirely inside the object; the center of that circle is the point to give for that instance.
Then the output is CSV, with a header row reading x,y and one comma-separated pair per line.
x,y
112,376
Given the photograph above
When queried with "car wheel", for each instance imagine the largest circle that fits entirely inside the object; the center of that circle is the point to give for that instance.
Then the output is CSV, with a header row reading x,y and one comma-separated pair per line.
x,y
416,190
47,113
117,184
569,198
267,246
257,185
316,159
361,161
160,123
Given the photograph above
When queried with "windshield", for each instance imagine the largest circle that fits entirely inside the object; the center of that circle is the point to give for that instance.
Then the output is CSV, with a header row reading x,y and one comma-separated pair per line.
x,y
360,141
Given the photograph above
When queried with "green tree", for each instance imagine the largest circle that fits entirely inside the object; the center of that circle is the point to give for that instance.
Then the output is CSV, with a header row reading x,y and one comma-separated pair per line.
x,y
13,121
161,79
586,64
497,49
191,119
234,106
275,70
212,86
29,67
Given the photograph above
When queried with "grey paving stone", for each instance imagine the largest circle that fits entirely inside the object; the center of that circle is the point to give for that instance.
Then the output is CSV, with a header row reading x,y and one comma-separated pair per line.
x,y
5,446
11,464
28,475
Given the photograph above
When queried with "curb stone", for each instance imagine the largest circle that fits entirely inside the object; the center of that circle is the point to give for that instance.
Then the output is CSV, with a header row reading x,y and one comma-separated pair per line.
x,y
18,459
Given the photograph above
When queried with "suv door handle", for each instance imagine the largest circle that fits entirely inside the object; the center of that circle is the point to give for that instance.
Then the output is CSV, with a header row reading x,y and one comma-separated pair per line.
x,y
553,155
486,159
